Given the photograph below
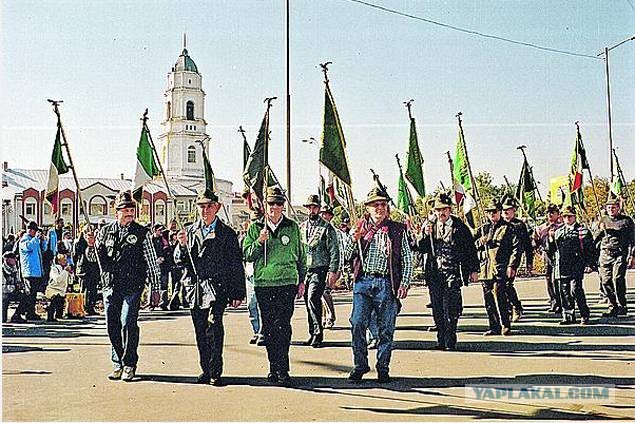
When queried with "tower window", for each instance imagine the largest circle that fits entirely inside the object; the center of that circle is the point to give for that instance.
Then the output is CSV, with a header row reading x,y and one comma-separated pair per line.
x,y
191,154
168,111
189,81
189,110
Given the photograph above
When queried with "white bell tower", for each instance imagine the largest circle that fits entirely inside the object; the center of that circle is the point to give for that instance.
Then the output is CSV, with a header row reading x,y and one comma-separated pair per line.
x,y
184,122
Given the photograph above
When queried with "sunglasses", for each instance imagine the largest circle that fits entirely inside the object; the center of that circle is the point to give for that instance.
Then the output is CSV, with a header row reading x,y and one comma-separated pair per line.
x,y
276,203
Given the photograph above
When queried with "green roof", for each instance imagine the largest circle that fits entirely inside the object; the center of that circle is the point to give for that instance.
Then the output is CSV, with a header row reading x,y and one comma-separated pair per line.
x,y
189,64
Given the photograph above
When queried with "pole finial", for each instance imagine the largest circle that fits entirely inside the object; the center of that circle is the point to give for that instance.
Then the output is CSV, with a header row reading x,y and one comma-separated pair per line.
x,y
408,105
184,41
325,68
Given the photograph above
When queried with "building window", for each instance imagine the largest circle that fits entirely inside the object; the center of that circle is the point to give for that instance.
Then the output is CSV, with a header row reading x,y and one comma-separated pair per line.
x,y
159,212
145,207
47,209
29,208
66,208
98,206
189,81
189,110
191,154
181,205
168,111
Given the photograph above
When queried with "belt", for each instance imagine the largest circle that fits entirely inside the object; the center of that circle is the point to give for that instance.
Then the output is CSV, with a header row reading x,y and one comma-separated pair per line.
x,y
375,275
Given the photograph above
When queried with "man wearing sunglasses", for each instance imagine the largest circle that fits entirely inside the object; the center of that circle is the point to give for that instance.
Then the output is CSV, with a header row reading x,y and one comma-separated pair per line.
x,y
214,280
382,278
274,245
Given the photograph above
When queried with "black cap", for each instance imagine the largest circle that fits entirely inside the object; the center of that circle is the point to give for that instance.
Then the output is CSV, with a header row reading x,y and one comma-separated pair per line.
x,y
32,225
313,200
124,200
553,208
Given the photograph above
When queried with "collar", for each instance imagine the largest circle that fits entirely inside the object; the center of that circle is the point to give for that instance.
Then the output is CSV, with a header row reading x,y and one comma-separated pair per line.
x,y
274,226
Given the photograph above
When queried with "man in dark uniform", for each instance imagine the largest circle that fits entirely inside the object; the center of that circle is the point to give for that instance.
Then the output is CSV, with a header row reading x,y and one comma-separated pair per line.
x,y
322,264
616,239
163,250
500,252
213,277
522,233
87,270
541,235
127,257
451,256
573,248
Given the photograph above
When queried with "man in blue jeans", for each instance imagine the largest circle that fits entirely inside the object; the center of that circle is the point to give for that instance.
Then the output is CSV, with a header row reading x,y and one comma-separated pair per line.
x,y
382,278
126,257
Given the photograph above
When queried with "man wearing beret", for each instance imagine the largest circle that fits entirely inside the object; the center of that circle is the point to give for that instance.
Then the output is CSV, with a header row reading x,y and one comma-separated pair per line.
x,y
382,277
573,250
452,261
127,258
500,249
322,263
274,245
616,239
213,278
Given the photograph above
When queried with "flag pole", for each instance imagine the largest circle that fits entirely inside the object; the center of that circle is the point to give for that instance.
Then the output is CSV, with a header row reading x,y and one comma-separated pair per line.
x,y
78,190
620,175
265,171
459,209
595,193
179,223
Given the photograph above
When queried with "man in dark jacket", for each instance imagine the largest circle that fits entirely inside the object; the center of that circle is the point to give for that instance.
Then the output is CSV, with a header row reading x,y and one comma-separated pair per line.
x,y
452,255
500,252
616,240
86,270
573,248
527,249
127,260
214,277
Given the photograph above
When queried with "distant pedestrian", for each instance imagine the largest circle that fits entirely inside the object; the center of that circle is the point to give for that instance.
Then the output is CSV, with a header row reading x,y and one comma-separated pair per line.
x,y
59,279
31,247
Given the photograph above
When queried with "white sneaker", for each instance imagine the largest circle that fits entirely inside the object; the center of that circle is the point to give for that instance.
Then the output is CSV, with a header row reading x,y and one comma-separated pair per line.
x,y
116,373
128,373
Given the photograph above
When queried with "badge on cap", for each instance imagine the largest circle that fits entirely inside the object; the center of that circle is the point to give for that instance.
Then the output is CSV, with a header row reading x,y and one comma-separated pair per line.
x,y
131,239
285,239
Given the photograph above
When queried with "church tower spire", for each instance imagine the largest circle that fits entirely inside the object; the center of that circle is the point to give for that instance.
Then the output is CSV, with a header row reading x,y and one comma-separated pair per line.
x,y
184,122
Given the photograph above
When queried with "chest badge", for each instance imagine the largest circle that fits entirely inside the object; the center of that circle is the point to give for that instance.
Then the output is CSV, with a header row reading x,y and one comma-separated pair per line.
x,y
211,235
131,239
285,239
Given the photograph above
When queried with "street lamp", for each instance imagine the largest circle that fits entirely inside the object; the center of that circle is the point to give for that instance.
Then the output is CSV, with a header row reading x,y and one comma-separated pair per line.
x,y
605,53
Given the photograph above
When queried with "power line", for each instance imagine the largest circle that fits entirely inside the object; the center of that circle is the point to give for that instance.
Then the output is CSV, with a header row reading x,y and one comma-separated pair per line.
x,y
471,32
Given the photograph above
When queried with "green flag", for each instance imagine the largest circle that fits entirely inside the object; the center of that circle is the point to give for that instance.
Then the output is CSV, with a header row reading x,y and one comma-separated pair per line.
x,y
414,164
525,191
253,173
210,179
617,183
147,167
404,200
58,167
333,146
463,190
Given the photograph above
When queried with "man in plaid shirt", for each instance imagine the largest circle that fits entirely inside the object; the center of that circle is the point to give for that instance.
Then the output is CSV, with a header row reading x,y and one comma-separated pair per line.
x,y
126,257
382,267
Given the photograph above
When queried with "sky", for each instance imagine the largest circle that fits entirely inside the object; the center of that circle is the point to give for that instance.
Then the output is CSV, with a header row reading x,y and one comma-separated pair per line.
x,y
109,60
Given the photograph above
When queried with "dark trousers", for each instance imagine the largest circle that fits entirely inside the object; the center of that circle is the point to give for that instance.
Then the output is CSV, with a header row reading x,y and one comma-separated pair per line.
x,y
210,334
572,292
27,301
89,288
512,295
177,289
496,303
445,296
122,313
612,272
276,309
56,307
553,287
315,285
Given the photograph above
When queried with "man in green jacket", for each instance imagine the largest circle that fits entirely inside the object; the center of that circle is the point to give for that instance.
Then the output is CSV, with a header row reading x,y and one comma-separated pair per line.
x,y
274,245
323,261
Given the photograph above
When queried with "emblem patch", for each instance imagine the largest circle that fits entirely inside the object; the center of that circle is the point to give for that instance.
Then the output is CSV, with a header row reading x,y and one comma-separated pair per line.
x,y
285,239
131,239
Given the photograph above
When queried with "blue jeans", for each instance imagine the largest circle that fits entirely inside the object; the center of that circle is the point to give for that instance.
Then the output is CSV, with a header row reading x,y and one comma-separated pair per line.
x,y
252,305
373,294
122,312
